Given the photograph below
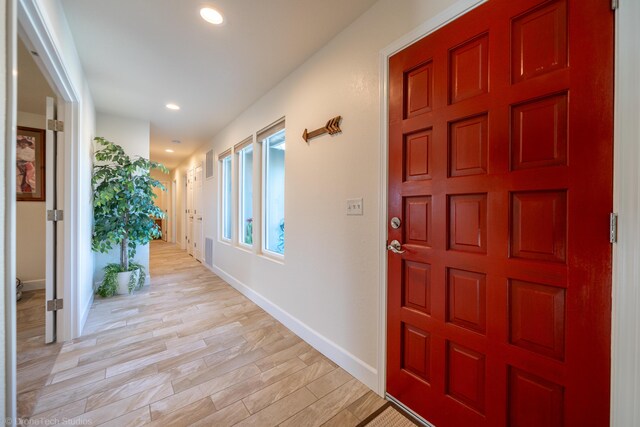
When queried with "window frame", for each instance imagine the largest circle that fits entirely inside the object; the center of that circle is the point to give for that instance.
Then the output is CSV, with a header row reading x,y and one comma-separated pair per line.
x,y
263,138
238,150
228,154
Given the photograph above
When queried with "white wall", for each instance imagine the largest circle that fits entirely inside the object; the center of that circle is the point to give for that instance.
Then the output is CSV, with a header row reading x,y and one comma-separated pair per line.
x,y
133,136
7,214
30,226
84,221
329,280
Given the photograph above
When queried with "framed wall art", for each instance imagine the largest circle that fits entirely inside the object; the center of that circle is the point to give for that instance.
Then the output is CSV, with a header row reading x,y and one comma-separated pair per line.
x,y
30,164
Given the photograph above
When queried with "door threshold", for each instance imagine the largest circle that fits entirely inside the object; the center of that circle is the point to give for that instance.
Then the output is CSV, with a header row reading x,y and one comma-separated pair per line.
x,y
417,418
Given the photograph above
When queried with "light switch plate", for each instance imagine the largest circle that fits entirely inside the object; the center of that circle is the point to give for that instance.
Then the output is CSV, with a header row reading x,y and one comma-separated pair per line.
x,y
354,206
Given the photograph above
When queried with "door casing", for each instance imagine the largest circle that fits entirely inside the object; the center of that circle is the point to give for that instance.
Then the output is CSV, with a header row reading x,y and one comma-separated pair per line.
x,y
183,213
34,33
54,284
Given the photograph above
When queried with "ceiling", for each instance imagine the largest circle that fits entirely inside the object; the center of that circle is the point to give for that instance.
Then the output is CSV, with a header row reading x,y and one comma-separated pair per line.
x,y
32,86
139,55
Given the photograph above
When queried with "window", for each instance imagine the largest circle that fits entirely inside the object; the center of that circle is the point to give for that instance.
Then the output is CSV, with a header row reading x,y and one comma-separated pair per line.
x,y
225,167
245,193
273,146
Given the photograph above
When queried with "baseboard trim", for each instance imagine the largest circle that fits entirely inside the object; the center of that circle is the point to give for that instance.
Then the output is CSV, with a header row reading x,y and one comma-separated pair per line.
x,y
347,361
85,314
33,285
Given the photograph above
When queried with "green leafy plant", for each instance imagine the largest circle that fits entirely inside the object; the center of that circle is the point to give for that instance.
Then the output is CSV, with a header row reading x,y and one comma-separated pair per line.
x,y
248,231
109,285
123,206
280,245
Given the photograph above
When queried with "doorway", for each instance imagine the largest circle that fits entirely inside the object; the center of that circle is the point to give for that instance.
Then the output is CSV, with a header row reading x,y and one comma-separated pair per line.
x,y
198,252
35,247
162,201
499,282
184,238
190,209
174,212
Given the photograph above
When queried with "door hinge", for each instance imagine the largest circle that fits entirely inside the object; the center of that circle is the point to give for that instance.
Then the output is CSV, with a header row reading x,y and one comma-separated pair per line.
x,y
55,215
615,4
54,305
55,125
613,227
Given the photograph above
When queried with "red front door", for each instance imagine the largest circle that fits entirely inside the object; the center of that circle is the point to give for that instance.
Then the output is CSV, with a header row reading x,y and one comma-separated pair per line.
x,y
500,172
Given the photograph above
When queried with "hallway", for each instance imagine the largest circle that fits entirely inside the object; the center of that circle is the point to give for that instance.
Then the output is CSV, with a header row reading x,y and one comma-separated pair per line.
x,y
191,350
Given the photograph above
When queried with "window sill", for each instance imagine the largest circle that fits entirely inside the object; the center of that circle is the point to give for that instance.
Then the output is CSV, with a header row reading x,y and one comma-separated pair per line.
x,y
278,259
245,248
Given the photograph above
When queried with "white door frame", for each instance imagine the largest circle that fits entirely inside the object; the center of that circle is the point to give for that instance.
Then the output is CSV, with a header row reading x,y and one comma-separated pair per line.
x,y
166,221
183,213
8,212
174,213
35,34
625,340
54,281
625,384
198,193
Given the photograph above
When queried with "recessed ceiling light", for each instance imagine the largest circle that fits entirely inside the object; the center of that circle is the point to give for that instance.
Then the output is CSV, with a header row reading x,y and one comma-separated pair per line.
x,y
173,107
169,150
211,15
176,141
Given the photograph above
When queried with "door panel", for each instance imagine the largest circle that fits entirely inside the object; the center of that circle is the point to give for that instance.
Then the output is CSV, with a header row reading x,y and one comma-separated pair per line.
x,y
54,231
500,168
197,217
50,228
190,210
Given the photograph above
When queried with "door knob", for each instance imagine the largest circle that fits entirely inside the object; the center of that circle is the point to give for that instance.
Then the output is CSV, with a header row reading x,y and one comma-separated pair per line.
x,y
395,247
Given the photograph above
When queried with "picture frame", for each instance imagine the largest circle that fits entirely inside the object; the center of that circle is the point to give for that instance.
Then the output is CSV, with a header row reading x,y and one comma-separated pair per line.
x,y
30,164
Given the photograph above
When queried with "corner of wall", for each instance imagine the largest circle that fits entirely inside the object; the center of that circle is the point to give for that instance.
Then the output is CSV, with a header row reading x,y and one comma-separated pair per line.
x,y
85,314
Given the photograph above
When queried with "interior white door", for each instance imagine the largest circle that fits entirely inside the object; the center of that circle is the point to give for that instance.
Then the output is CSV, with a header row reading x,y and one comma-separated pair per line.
x,y
190,209
197,214
54,232
173,213
185,212
162,204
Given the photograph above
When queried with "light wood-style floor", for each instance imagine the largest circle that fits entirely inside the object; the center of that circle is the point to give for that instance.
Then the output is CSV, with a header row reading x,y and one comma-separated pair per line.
x,y
35,359
190,350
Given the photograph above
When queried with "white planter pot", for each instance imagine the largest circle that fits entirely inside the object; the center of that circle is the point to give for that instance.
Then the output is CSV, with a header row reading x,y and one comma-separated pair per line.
x,y
124,279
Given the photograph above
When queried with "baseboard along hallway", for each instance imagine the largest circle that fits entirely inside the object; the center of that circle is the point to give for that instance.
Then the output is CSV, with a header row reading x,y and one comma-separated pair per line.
x,y
190,350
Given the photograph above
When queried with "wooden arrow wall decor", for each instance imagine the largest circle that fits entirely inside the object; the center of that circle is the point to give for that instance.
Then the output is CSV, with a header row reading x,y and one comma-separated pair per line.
x,y
332,127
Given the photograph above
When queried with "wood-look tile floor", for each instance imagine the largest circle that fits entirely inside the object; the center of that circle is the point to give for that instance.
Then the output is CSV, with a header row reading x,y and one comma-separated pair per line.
x,y
34,358
189,350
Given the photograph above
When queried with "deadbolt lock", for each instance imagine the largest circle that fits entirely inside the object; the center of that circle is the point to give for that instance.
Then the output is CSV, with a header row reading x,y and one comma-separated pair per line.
x,y
395,222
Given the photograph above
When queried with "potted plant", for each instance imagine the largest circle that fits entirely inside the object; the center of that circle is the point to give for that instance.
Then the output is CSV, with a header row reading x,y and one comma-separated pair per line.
x,y
123,213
